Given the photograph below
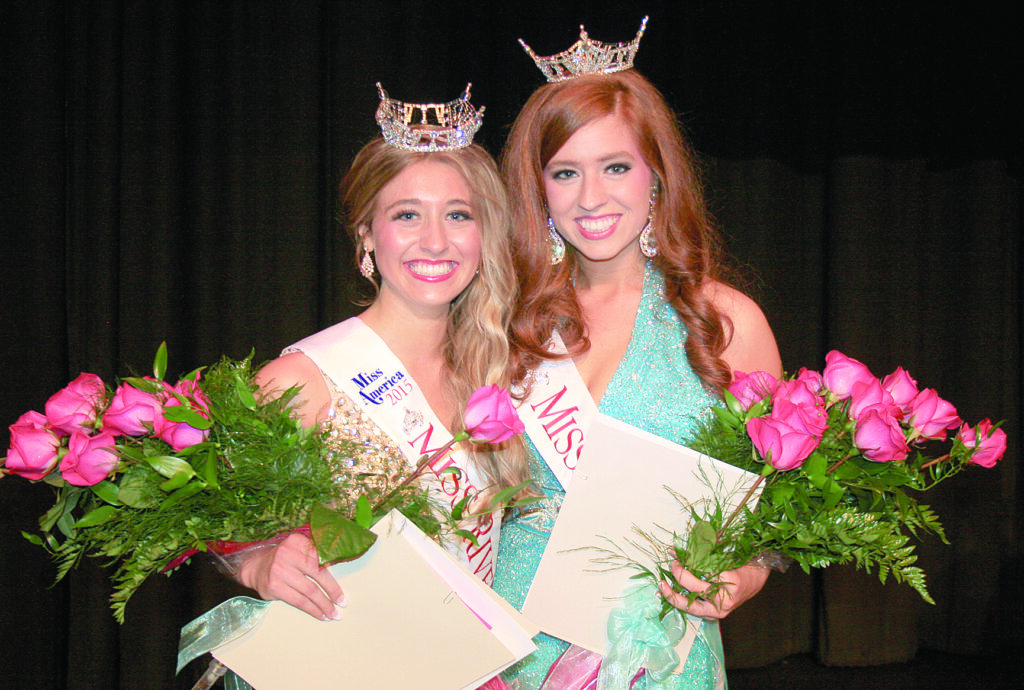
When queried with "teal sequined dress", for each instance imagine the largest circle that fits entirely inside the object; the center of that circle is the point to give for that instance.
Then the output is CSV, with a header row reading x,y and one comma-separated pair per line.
x,y
654,389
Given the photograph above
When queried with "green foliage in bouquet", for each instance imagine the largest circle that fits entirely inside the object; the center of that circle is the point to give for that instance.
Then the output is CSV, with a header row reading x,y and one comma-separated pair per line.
x,y
836,507
840,457
204,465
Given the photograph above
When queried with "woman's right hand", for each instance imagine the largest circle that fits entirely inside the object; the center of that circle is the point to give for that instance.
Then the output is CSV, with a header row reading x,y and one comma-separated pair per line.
x,y
291,572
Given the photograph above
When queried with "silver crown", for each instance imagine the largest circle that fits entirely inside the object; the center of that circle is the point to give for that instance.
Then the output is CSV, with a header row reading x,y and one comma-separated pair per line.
x,y
440,126
587,56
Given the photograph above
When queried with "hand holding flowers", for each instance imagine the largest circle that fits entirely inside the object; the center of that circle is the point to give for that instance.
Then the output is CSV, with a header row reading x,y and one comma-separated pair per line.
x,y
718,599
838,454
153,473
290,567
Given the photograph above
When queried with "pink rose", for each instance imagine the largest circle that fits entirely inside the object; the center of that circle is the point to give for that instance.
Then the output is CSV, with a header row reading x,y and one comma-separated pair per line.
x,y
751,388
76,405
879,436
491,417
989,444
181,435
781,445
808,417
798,391
132,411
811,379
90,459
842,373
902,388
871,394
33,452
190,390
930,416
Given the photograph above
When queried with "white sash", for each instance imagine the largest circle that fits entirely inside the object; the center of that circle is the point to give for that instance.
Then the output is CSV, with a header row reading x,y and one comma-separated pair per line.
x,y
361,365
558,412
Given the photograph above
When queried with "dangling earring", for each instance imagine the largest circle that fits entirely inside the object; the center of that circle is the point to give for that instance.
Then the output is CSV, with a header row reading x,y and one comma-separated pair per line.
x,y
649,245
366,265
557,245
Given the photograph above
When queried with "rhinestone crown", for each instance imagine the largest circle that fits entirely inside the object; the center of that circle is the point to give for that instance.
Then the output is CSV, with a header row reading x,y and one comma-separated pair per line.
x,y
428,126
587,56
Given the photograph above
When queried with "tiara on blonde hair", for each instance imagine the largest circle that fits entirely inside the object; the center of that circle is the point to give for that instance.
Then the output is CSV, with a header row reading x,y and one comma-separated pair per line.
x,y
440,126
587,56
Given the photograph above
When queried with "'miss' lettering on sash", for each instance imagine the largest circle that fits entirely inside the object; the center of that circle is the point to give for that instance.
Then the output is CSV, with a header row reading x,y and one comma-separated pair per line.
x,y
361,365
480,558
558,413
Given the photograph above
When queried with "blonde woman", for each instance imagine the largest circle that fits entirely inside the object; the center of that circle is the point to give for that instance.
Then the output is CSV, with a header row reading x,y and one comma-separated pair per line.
x,y
428,215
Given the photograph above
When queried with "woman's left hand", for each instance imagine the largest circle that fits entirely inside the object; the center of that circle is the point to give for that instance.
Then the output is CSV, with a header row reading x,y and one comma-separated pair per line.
x,y
738,585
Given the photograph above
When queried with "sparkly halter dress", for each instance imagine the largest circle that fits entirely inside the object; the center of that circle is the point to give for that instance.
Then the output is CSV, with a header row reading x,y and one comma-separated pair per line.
x,y
653,377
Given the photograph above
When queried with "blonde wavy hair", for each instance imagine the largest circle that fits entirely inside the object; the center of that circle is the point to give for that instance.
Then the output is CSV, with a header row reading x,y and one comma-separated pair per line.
x,y
476,350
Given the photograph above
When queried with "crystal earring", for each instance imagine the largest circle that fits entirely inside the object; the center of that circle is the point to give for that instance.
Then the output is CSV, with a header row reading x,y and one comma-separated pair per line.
x,y
649,245
557,245
366,265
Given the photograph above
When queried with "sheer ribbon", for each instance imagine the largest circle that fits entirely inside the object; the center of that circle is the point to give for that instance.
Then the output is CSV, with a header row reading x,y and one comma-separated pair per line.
x,y
639,638
218,626
639,642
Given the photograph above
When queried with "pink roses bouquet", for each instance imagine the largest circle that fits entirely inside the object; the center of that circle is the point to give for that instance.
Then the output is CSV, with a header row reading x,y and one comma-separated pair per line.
x,y
78,435
150,473
838,454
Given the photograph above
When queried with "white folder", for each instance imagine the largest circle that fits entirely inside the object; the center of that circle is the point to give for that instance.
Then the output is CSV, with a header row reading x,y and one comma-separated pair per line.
x,y
620,482
414,617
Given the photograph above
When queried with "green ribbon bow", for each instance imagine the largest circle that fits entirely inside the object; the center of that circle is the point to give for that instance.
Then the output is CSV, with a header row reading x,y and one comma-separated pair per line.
x,y
640,639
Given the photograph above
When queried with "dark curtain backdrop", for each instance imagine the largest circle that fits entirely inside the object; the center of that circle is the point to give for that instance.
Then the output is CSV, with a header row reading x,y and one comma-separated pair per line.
x,y
169,171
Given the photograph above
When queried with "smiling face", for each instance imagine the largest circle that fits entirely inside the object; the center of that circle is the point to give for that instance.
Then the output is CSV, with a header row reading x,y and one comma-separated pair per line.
x,y
425,238
598,190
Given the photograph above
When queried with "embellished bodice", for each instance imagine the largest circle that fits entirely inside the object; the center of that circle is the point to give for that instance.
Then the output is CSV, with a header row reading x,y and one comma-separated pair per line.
x,y
654,387
359,446
377,408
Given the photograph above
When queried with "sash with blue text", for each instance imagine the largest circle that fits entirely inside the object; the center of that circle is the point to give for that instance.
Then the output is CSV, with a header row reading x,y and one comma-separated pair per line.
x,y
361,365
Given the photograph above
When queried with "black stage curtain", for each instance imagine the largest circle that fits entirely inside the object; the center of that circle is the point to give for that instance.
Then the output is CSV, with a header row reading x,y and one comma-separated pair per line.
x,y
169,173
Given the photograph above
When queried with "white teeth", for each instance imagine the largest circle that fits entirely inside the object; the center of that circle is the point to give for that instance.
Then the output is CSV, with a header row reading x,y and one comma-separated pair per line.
x,y
427,268
597,224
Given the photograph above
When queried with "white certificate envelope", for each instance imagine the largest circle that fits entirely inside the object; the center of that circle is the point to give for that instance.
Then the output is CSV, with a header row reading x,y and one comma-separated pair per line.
x,y
415,617
619,484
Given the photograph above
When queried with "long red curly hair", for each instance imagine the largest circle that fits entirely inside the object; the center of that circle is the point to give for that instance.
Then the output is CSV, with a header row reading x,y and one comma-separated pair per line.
x,y
689,251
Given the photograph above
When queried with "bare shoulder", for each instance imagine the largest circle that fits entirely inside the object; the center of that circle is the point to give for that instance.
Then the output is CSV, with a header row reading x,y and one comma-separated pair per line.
x,y
297,370
752,344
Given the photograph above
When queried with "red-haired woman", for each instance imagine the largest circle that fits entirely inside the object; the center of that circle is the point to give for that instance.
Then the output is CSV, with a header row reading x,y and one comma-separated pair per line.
x,y
622,310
